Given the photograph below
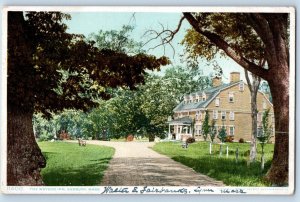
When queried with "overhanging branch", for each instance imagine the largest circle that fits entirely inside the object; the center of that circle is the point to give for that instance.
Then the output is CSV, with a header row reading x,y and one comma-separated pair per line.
x,y
222,44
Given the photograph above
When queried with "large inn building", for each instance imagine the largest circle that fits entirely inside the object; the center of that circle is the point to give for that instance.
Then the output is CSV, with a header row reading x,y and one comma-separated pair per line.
x,y
228,104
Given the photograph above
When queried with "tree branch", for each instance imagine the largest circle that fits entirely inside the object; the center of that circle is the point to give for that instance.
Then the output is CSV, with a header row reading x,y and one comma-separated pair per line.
x,y
262,28
166,36
222,44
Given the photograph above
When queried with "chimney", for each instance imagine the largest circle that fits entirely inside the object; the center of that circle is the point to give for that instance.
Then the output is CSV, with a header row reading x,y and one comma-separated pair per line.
x,y
216,81
234,77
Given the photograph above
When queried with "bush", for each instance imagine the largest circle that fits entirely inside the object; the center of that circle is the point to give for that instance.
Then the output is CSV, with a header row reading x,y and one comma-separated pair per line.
x,y
241,140
190,140
229,139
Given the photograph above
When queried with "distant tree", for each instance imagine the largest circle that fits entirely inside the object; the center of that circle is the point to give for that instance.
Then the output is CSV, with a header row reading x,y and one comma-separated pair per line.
x,y
117,40
50,70
212,131
182,80
206,126
253,88
264,135
222,134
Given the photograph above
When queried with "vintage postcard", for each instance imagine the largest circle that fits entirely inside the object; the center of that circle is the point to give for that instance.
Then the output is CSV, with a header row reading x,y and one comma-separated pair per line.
x,y
148,100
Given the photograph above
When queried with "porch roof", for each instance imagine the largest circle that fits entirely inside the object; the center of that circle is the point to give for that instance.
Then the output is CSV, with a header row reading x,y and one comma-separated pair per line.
x,y
182,121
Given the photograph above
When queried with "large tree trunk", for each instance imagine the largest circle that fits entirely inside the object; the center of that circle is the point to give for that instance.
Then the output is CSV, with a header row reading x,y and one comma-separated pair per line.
x,y
273,31
278,173
24,157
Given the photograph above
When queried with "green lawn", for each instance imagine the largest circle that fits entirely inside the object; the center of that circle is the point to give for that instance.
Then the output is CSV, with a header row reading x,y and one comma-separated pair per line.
x,y
221,168
71,165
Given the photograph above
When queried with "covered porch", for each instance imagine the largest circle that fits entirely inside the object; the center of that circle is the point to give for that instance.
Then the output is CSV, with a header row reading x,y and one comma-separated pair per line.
x,y
180,127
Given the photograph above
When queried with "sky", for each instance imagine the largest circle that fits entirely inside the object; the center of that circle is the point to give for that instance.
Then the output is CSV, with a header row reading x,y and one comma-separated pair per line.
x,y
91,22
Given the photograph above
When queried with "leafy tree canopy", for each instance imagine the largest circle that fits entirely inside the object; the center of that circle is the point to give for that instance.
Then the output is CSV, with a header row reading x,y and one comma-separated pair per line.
x,y
64,70
232,27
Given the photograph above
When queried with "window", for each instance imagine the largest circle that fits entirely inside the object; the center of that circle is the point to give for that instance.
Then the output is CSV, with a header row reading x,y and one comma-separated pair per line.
x,y
231,97
241,86
223,115
198,130
200,115
197,117
231,130
217,102
215,114
264,105
186,99
231,116
203,96
259,117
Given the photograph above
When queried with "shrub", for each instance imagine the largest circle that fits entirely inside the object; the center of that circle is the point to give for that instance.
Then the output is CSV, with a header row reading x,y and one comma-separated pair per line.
x,y
241,140
229,139
190,140
129,138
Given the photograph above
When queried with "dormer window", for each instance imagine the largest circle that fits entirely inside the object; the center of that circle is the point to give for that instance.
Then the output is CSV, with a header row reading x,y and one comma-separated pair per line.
x,y
231,97
186,99
203,96
241,86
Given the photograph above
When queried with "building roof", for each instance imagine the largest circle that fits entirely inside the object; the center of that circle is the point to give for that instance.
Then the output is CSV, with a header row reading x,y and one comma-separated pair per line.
x,y
183,120
210,94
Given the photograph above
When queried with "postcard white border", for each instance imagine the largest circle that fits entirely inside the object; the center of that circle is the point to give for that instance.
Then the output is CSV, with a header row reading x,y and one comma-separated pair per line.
x,y
99,189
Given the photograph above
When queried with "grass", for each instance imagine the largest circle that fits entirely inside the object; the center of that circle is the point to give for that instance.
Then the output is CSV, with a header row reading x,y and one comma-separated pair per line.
x,y
71,165
229,171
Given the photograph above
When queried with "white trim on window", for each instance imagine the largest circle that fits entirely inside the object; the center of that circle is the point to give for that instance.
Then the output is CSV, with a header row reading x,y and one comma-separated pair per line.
x,y
231,130
231,116
215,114
217,101
203,96
264,105
241,86
223,115
231,97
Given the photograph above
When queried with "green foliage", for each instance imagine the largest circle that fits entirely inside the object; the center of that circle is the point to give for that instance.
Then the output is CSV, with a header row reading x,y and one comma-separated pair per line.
x,y
50,70
142,112
205,126
235,28
222,134
71,165
212,131
119,41
265,133
225,169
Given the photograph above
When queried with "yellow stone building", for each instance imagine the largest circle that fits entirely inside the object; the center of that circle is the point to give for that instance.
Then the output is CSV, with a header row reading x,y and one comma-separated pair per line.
x,y
228,104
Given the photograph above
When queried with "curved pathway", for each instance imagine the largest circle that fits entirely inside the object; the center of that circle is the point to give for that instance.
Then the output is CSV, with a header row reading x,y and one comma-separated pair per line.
x,y
136,164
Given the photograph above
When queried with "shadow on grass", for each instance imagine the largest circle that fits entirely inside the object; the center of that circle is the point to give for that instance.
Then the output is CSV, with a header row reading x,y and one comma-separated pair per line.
x,y
87,175
48,154
227,170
